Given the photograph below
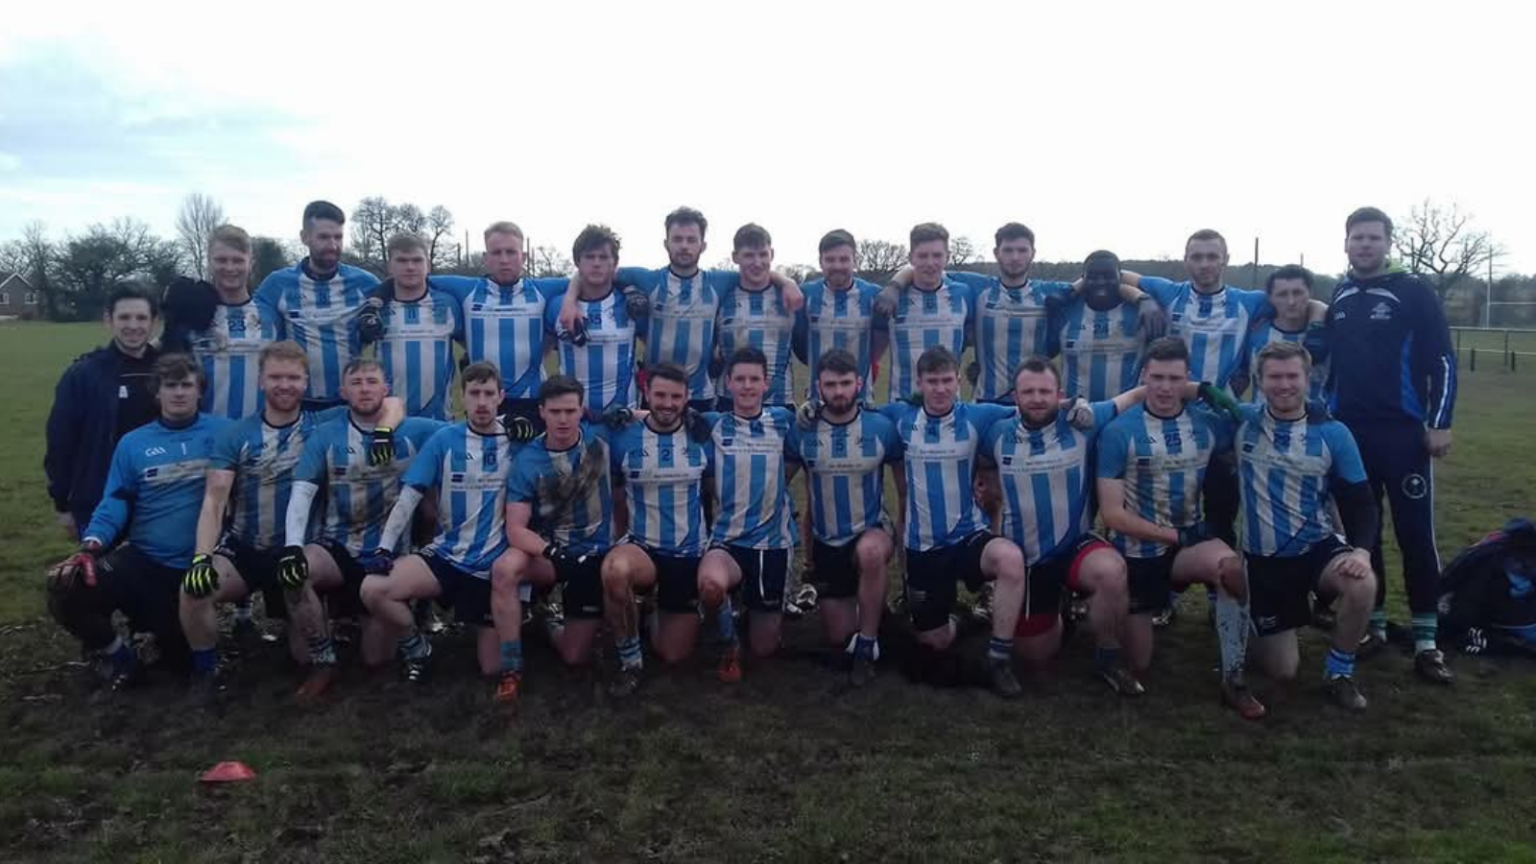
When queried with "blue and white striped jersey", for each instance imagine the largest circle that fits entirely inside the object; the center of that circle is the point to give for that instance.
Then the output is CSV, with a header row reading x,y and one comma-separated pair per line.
x,y
1100,351
605,366
504,324
663,475
1265,332
539,476
154,491
263,458
759,319
1046,480
1011,325
846,465
229,351
1214,326
469,472
940,458
1285,470
845,319
1162,461
417,351
749,469
320,315
681,328
925,319
358,495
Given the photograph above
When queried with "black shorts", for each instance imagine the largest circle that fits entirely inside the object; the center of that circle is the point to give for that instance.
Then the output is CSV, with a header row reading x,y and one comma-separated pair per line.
x,y
525,408
932,576
258,569
583,586
836,575
1278,587
146,592
1045,598
763,575
1149,580
346,601
469,595
677,581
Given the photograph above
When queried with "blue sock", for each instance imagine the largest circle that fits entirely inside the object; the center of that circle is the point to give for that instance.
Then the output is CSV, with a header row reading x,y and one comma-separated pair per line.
x,y
1424,629
726,622
629,653
1378,626
1105,657
865,647
204,660
121,654
1000,649
1339,664
243,610
415,646
322,651
512,656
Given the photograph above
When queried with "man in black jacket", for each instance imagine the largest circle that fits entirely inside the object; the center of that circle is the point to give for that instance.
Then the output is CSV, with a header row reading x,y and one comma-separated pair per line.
x,y
101,397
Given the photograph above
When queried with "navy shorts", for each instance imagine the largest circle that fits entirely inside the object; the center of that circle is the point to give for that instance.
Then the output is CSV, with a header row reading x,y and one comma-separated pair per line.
x,y
677,581
1278,587
1149,580
933,577
469,595
836,575
763,575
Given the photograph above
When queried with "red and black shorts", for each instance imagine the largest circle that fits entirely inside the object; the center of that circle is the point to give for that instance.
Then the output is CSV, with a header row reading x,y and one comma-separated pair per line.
x,y
1045,598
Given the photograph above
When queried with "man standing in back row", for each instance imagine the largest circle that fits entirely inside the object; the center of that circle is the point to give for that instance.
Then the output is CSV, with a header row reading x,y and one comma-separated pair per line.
x,y
1393,383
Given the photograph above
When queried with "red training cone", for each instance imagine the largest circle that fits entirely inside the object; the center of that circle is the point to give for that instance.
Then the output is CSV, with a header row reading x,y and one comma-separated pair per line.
x,y
228,772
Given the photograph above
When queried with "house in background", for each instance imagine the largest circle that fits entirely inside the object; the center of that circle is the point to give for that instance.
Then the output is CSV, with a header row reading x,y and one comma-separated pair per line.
x,y
18,299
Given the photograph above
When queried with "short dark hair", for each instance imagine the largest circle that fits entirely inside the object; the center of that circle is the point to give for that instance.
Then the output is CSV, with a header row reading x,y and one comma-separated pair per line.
x,y
1368,214
1206,234
838,361
1014,231
1035,363
666,372
747,354
130,290
927,232
323,210
835,238
1280,349
1289,271
1102,255
751,236
936,359
360,364
480,371
1168,348
687,216
593,238
178,367
561,385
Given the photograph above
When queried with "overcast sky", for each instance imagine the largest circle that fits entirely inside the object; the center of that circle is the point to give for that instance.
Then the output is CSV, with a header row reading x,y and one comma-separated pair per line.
x,y
1124,126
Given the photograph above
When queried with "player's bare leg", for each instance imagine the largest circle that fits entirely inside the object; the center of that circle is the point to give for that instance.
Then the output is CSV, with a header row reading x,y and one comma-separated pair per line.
x,y
1102,575
1215,565
388,600
200,624
1002,563
509,573
626,569
718,575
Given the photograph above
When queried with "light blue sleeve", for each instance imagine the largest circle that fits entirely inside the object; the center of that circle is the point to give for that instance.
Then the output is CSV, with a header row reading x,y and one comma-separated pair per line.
x,y
1222,425
1114,447
792,444
550,287
111,515
268,300
871,291
419,430
457,287
1103,413
895,448
1347,466
1256,302
523,481
425,470
1165,292
227,447
640,277
974,281
1053,288
986,415
311,467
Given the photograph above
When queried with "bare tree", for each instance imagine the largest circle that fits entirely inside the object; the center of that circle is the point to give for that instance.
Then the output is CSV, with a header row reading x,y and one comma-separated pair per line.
x,y
88,264
881,256
962,251
798,272
372,222
199,215
546,261
36,258
1440,244
441,250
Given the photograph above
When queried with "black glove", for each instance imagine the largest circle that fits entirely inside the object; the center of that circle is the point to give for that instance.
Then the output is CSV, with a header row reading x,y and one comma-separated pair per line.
x,y
292,568
577,335
378,562
616,417
1190,535
1317,411
188,307
201,578
697,425
370,321
559,556
520,430
973,372
381,446
1151,320
636,303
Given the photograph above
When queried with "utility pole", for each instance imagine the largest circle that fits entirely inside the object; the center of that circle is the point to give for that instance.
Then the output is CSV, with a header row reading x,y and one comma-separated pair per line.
x,y
1253,270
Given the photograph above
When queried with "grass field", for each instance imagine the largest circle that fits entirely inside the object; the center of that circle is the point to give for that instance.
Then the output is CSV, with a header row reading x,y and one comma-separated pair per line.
x,y
785,766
